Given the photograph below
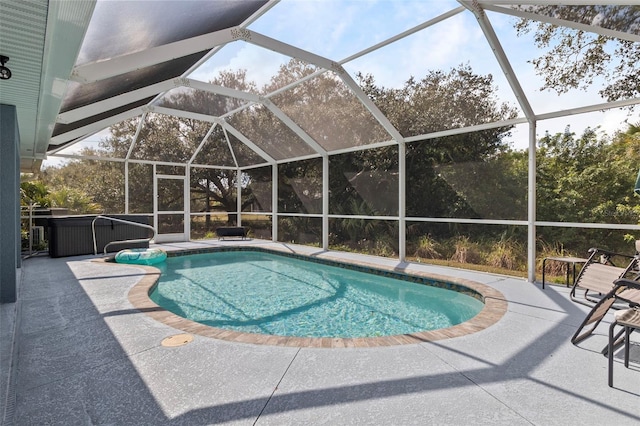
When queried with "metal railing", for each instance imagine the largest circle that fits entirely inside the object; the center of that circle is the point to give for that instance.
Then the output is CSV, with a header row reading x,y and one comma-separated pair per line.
x,y
128,222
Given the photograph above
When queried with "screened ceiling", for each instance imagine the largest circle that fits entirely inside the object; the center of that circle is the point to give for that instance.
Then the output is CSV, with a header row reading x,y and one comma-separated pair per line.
x,y
275,81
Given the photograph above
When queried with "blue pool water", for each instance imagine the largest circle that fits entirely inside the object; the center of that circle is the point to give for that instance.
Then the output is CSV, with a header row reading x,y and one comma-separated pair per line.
x,y
257,292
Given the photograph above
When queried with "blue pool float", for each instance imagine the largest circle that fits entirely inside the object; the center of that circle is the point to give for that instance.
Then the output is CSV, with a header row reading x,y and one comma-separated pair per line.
x,y
149,256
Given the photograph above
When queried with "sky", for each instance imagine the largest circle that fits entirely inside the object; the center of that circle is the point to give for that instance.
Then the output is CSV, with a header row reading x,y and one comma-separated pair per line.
x,y
338,29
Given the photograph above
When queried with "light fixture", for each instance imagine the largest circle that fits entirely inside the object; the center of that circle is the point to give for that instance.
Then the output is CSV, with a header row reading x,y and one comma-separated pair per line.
x,y
5,73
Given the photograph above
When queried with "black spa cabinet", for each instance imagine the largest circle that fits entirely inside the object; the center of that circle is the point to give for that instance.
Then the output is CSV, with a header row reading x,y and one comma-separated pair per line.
x,y
72,236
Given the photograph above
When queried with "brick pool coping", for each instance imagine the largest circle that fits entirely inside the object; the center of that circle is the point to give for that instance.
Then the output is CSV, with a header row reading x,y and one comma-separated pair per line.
x,y
495,306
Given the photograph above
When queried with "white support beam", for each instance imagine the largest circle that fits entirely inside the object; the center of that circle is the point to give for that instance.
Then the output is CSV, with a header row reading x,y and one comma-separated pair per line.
x,y
95,127
462,130
126,187
187,202
564,23
209,166
101,70
136,135
363,147
87,157
233,154
500,55
608,226
183,114
219,90
287,49
469,221
115,102
589,108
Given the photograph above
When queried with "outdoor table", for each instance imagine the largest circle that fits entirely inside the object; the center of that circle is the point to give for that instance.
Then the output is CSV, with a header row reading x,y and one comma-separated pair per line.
x,y
569,261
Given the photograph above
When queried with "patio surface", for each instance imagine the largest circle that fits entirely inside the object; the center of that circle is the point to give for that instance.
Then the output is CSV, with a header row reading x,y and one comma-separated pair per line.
x,y
74,351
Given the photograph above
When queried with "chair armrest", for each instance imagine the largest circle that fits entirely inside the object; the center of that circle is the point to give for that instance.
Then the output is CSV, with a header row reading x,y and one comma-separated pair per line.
x,y
610,253
625,282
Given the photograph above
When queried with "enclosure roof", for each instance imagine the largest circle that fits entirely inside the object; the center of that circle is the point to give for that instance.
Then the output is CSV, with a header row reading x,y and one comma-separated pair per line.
x,y
81,67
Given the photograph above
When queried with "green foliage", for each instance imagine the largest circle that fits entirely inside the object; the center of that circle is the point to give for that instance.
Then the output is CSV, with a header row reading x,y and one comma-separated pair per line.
x,y
588,179
573,59
76,201
34,192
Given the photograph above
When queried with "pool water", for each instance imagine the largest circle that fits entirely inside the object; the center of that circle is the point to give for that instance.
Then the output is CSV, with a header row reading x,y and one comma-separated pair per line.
x,y
258,292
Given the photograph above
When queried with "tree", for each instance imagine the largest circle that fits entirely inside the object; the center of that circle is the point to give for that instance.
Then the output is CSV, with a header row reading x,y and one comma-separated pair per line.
x,y
587,179
34,192
574,58
91,186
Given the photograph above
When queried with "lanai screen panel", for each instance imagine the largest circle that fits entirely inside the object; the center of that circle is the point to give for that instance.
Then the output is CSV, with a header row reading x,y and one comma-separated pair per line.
x,y
443,77
199,101
244,155
215,150
625,18
339,29
249,68
169,139
300,187
548,97
463,176
257,190
365,182
328,110
264,129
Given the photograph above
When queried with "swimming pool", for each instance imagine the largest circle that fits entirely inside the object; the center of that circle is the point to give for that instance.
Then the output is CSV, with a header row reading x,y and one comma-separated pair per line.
x,y
267,293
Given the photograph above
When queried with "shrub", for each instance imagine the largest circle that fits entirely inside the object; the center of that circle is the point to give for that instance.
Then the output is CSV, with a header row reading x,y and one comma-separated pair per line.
x,y
466,251
507,253
428,248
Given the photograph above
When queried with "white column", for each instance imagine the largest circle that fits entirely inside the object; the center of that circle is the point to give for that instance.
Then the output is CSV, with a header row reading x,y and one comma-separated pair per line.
x,y
187,203
239,196
402,204
126,186
155,199
274,202
325,202
531,202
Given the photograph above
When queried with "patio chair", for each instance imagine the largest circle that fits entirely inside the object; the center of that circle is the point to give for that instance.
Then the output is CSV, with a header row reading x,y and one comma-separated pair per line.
x,y
598,274
629,319
625,291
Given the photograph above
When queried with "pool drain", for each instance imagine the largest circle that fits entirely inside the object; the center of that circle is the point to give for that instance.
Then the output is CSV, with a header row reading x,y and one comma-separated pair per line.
x,y
177,340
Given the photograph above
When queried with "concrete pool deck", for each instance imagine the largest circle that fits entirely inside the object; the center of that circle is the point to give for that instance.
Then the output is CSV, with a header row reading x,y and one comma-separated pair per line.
x,y
83,354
